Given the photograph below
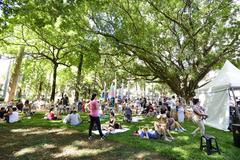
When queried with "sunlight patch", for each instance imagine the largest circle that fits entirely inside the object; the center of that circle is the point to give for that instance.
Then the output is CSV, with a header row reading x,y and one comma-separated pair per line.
x,y
34,149
80,143
25,151
180,150
71,151
142,155
37,131
67,132
9,144
48,146
185,138
22,130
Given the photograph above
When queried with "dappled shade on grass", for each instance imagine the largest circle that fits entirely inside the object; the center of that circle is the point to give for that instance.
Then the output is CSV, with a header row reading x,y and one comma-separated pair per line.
x,y
61,143
41,139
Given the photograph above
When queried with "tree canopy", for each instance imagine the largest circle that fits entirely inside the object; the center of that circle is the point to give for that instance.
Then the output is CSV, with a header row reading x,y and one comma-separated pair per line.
x,y
172,42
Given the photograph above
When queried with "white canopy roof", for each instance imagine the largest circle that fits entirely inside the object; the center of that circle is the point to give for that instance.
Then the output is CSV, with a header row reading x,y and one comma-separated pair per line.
x,y
228,76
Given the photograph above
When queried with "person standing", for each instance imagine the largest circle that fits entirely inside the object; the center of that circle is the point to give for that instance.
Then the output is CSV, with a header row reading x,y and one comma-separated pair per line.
x,y
181,111
173,106
199,116
65,100
94,116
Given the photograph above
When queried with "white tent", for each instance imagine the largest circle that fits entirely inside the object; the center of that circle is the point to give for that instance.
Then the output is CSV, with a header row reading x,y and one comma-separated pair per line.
x,y
215,95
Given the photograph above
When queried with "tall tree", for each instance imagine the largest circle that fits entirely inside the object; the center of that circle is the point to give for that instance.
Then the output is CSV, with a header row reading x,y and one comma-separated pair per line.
x,y
15,75
48,39
177,42
78,79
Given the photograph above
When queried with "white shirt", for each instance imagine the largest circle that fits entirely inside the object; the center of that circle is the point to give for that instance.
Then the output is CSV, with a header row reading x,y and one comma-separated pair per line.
x,y
74,119
172,103
14,117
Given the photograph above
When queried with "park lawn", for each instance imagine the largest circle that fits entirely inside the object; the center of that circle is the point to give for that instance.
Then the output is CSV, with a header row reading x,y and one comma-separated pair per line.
x,y
63,141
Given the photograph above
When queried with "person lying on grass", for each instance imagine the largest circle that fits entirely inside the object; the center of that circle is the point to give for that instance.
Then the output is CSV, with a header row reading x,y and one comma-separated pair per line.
x,y
173,125
146,133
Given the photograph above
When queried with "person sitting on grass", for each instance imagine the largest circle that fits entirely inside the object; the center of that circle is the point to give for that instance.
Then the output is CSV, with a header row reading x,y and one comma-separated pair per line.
x,y
173,125
51,115
148,134
128,114
2,112
66,119
10,103
57,112
19,105
150,110
112,124
27,108
12,115
74,118
161,127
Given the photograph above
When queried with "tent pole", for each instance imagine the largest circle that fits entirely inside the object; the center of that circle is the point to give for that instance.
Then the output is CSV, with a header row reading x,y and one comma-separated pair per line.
x,y
236,106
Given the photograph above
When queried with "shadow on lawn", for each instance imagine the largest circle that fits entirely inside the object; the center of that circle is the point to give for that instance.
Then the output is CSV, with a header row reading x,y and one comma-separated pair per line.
x,y
53,140
61,143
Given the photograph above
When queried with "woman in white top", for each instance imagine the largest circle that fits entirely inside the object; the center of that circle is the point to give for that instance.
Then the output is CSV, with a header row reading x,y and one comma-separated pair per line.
x,y
74,119
180,112
13,116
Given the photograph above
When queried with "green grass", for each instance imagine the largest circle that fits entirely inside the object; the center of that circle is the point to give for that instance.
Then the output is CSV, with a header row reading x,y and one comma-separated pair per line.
x,y
184,147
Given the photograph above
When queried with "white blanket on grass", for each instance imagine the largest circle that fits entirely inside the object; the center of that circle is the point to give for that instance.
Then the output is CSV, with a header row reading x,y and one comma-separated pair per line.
x,y
112,132
136,119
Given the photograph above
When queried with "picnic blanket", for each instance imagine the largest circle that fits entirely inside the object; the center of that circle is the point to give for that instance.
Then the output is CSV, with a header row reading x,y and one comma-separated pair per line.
x,y
136,119
112,132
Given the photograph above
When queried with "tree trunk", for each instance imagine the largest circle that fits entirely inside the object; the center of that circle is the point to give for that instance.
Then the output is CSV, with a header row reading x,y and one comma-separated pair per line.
x,y
40,89
19,93
185,93
15,75
78,80
55,66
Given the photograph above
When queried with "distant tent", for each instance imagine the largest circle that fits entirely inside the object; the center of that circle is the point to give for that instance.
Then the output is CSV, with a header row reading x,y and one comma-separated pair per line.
x,y
215,95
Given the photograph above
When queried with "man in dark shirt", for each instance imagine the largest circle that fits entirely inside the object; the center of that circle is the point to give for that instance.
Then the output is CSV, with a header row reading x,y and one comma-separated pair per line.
x,y
2,112
65,100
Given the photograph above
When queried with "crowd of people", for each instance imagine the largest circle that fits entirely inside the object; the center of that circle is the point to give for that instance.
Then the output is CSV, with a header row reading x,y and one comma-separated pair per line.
x,y
10,113
169,113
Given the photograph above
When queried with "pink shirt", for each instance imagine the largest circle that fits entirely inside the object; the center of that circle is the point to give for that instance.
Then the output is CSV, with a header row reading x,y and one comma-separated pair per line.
x,y
51,116
94,112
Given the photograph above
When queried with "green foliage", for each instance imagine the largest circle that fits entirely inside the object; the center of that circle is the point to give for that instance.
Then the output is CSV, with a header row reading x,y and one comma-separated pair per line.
x,y
184,38
1,98
35,73
171,42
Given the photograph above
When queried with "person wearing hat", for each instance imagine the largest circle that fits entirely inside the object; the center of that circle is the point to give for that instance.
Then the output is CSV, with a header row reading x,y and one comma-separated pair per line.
x,y
199,116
